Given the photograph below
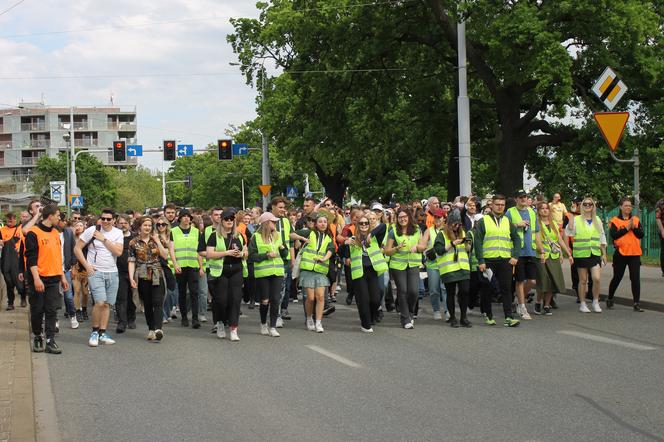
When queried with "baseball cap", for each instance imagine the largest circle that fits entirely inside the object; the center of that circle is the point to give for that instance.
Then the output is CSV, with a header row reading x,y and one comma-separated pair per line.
x,y
437,212
521,192
228,212
267,216
376,206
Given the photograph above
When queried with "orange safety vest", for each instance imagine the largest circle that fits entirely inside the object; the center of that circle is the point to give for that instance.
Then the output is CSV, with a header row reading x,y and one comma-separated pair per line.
x,y
49,257
628,244
8,232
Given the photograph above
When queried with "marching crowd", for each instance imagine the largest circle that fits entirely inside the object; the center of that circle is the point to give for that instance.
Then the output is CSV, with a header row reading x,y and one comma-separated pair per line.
x,y
169,262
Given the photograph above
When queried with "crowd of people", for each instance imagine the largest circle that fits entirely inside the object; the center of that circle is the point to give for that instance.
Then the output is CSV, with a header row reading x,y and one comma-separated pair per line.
x,y
178,262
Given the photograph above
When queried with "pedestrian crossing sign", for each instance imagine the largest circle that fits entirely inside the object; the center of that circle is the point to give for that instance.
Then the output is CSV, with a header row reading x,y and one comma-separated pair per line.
x,y
76,201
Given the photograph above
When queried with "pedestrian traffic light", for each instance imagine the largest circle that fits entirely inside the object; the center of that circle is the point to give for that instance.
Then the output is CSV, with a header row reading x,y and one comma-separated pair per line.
x,y
225,149
119,151
169,150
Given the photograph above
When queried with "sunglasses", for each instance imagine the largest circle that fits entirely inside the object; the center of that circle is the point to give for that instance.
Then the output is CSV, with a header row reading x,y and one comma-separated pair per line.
x,y
363,223
161,224
103,218
588,204
230,218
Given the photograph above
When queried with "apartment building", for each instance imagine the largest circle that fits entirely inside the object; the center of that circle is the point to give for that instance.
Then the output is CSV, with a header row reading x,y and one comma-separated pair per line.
x,y
32,130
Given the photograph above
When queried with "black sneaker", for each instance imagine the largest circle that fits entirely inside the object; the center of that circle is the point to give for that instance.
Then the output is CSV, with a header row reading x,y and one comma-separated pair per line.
x,y
637,308
465,323
349,300
131,325
547,311
454,323
195,323
79,315
538,308
185,322
609,303
85,314
52,347
10,307
328,310
285,315
554,304
38,344
121,328
24,303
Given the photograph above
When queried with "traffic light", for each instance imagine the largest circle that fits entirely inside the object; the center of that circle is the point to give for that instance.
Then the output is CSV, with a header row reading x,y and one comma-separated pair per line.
x,y
169,150
188,181
225,149
119,151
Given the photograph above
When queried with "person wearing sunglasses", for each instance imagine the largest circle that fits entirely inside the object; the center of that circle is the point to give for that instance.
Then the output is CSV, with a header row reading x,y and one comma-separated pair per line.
x,y
267,252
437,291
226,254
405,245
163,229
208,231
589,251
318,248
104,244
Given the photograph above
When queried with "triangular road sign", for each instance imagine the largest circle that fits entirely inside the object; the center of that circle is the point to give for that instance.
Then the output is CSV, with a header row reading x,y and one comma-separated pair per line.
x,y
265,189
612,125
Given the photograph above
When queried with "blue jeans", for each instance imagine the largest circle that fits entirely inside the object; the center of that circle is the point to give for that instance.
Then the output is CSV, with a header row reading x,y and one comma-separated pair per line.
x,y
437,292
170,301
104,287
69,296
286,287
202,294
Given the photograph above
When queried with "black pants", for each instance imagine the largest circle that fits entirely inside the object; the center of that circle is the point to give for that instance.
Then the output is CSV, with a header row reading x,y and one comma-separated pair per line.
x,y
349,281
153,302
620,262
250,291
408,287
451,288
43,306
269,288
125,309
226,293
367,296
188,278
12,283
661,253
474,290
502,270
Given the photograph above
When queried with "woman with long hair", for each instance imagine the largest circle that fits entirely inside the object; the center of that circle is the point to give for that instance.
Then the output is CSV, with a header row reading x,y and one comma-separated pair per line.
x,y
454,265
267,253
79,278
549,243
146,274
163,228
404,246
626,232
317,250
589,250
226,253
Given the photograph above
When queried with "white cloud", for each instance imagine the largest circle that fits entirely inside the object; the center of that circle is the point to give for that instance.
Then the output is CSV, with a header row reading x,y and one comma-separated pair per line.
x,y
191,38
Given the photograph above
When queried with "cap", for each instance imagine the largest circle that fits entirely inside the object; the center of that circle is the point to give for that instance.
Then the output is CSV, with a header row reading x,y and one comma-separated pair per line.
x,y
228,212
521,192
577,200
437,212
454,217
267,216
183,213
376,206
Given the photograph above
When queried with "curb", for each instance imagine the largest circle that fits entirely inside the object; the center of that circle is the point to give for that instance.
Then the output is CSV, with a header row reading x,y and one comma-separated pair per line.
x,y
646,305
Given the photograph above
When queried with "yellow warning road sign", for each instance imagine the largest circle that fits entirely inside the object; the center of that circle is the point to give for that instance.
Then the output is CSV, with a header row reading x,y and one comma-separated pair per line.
x,y
612,125
265,189
609,88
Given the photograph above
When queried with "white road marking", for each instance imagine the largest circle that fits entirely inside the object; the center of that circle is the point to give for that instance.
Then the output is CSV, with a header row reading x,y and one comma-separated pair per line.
x,y
606,340
334,356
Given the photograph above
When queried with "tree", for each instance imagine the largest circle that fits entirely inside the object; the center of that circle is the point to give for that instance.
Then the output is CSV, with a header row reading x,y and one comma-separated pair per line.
x,y
136,188
93,178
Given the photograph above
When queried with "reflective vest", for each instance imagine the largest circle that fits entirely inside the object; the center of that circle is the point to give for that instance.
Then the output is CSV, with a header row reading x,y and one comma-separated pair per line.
x,y
586,240
497,241
628,244
549,236
404,258
49,252
473,257
310,254
375,256
8,233
433,233
209,230
516,219
186,247
284,234
216,265
270,266
447,262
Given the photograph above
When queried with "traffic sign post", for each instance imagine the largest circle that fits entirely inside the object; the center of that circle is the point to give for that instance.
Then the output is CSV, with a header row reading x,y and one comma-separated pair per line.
x,y
185,150
240,149
291,192
76,201
135,150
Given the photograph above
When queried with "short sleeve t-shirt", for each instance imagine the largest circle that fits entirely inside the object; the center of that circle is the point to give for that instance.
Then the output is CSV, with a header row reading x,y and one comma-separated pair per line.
x,y
100,258
527,246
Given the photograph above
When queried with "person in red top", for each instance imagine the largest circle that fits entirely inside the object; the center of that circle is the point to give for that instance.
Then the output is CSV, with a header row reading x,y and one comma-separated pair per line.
x,y
43,253
626,232
11,233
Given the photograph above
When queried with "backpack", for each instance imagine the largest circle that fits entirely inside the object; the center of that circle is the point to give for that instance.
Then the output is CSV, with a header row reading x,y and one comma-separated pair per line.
x,y
9,259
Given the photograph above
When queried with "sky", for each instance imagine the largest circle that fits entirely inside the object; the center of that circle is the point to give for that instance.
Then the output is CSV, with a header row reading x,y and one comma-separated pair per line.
x,y
119,48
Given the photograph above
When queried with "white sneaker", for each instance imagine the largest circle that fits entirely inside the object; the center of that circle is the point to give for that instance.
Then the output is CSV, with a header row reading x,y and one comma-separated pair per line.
x,y
583,308
319,327
264,330
94,339
74,322
310,325
159,334
274,333
151,336
524,313
221,332
437,316
596,307
408,326
367,330
447,316
202,318
280,323
234,336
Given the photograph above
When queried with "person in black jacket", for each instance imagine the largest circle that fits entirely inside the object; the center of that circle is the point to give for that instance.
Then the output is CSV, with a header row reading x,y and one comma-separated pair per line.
x,y
68,261
125,309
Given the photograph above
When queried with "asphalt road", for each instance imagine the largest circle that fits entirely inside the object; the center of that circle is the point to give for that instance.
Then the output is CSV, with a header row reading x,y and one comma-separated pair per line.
x,y
568,377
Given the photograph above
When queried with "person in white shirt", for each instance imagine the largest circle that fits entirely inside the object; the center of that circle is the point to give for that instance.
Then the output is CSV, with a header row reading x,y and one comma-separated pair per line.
x,y
104,244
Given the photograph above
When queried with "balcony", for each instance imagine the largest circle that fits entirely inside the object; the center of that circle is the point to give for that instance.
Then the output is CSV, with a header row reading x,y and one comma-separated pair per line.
x,y
121,125
86,142
29,161
5,144
40,143
2,128
35,125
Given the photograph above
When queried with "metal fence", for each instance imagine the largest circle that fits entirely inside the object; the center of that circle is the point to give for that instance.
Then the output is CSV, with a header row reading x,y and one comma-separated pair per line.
x,y
650,242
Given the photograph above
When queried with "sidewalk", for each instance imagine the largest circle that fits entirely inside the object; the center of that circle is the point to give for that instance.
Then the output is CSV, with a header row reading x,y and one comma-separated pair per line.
x,y
17,414
652,286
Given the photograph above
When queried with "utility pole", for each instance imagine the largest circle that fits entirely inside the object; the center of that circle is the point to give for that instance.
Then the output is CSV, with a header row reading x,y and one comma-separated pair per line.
x,y
74,190
266,160
463,114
